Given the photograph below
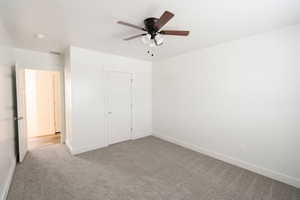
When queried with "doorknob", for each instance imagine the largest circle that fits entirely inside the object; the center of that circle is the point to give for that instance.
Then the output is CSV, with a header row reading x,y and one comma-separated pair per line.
x,y
19,118
109,113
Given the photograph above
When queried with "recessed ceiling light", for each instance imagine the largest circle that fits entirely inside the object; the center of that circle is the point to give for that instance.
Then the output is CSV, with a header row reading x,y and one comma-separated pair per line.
x,y
39,36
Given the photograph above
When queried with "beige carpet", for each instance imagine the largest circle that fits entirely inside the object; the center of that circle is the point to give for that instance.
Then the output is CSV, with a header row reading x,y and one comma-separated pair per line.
x,y
144,169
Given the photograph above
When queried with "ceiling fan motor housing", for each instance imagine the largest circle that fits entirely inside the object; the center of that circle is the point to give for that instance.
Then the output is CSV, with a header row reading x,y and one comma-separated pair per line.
x,y
153,28
150,26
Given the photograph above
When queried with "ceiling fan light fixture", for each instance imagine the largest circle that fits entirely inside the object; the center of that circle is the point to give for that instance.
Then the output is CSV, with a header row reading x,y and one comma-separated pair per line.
x,y
153,30
152,43
158,40
146,39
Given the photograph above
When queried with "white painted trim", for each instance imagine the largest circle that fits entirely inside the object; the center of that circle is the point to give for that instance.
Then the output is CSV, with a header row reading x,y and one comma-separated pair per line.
x,y
99,146
67,142
75,151
141,135
8,181
251,167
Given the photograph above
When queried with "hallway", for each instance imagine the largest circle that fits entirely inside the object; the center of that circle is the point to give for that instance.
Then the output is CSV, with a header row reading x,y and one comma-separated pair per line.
x,y
42,141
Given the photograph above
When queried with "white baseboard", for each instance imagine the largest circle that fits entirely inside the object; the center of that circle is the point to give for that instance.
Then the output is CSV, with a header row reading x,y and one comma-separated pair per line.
x,y
251,167
4,193
137,136
75,151
67,142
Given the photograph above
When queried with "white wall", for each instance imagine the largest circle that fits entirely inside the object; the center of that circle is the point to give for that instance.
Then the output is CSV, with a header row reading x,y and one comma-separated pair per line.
x,y
87,98
38,60
7,131
238,101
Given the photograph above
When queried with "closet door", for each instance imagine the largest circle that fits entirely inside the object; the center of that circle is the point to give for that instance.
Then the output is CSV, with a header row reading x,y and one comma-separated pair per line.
x,y
119,106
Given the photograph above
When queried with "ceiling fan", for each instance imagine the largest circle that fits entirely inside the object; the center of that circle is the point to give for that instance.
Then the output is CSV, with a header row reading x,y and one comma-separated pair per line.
x,y
153,30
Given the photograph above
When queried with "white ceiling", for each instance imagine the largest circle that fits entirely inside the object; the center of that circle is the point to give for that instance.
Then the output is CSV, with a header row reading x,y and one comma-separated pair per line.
x,y
92,23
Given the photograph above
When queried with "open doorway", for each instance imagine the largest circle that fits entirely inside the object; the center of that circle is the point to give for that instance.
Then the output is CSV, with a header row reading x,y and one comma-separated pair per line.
x,y
43,108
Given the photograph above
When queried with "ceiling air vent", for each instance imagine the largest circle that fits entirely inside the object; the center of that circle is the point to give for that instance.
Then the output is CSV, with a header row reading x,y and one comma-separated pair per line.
x,y
55,53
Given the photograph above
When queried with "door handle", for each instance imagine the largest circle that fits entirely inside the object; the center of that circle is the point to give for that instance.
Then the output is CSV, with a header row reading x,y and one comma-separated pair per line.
x,y
18,118
109,113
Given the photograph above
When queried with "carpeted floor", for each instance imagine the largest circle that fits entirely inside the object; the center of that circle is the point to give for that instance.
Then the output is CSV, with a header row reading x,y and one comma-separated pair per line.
x,y
143,169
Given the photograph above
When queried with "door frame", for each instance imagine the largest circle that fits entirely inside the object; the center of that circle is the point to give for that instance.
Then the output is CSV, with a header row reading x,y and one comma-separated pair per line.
x,y
106,103
62,95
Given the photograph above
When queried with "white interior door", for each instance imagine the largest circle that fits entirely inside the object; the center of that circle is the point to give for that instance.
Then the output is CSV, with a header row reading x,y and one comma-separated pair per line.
x,y
21,111
119,107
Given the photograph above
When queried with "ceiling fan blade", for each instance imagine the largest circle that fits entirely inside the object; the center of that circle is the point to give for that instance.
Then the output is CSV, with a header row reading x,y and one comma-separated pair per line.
x,y
174,32
135,36
131,25
163,19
